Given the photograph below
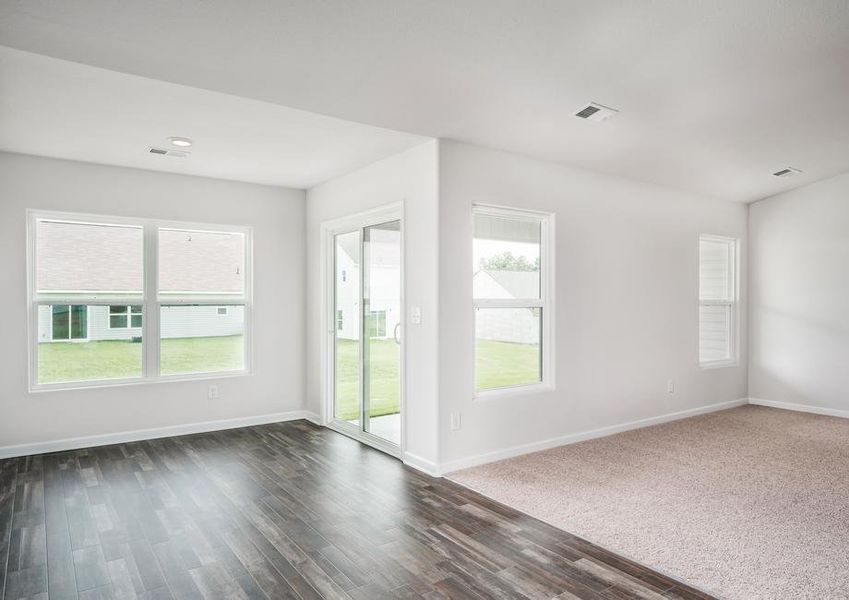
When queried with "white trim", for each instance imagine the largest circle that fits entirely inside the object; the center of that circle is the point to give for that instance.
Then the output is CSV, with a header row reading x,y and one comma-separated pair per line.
x,y
806,408
572,438
394,211
733,303
521,389
150,299
151,434
718,364
420,464
369,439
87,384
546,302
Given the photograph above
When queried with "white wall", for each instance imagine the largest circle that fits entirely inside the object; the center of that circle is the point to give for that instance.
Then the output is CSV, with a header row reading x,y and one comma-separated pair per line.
x,y
799,266
627,301
410,177
627,284
277,216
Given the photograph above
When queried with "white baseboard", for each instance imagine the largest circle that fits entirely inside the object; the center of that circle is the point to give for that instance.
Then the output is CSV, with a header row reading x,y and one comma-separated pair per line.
x,y
572,438
426,466
150,434
817,410
421,464
312,417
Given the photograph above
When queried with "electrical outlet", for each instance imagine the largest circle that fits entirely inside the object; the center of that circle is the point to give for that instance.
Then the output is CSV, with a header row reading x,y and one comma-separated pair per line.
x,y
213,392
455,421
670,386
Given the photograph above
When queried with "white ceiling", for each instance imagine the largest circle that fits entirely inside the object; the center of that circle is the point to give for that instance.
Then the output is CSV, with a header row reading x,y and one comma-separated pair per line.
x,y
57,108
715,96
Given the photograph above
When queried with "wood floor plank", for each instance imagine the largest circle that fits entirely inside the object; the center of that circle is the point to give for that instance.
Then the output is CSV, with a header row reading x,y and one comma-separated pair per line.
x,y
287,510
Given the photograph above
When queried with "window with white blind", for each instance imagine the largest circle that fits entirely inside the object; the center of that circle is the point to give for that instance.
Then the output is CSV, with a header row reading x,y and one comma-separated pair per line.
x,y
117,300
512,299
718,300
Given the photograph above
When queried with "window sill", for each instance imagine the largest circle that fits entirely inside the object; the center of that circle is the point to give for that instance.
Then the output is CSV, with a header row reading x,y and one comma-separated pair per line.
x,y
515,390
717,364
111,383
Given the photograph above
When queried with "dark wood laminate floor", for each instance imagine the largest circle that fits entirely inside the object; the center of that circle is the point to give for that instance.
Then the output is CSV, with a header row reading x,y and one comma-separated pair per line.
x,y
288,510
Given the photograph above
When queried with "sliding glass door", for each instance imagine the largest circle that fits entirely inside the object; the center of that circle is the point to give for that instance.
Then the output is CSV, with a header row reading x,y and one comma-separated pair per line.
x,y
367,332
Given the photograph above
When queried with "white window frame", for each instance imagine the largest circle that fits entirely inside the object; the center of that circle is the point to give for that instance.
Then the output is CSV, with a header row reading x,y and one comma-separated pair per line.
x,y
733,302
150,300
127,313
545,302
70,339
328,231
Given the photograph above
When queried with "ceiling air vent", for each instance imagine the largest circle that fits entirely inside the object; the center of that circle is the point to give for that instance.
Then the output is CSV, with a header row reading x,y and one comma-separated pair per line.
x,y
788,172
596,112
164,152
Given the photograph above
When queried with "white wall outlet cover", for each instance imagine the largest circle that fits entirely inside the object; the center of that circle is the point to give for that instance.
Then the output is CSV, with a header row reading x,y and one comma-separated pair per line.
x,y
213,392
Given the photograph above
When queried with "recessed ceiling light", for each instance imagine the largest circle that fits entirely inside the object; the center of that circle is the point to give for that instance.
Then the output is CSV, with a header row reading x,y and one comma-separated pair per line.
x,y
595,112
182,142
788,172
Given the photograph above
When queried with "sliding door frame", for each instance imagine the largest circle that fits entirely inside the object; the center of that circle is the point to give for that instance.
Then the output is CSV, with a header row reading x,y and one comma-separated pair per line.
x,y
329,231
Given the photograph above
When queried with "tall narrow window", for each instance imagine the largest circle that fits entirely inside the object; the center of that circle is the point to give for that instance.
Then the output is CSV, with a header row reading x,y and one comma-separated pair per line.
x,y
717,301
80,267
124,299
197,270
510,287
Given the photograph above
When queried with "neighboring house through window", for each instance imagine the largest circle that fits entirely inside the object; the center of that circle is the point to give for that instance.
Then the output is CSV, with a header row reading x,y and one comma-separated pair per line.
x,y
68,322
122,317
135,320
511,297
377,324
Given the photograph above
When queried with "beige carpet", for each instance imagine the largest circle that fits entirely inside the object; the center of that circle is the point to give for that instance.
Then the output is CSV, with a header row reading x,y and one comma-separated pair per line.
x,y
746,503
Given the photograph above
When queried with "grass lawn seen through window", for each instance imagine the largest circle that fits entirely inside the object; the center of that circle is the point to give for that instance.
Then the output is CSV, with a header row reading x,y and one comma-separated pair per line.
x,y
497,364
122,359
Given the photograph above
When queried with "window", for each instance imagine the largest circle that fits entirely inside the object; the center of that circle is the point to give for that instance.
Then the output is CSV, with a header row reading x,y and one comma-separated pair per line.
x,y
139,299
69,322
717,301
121,317
513,314
377,324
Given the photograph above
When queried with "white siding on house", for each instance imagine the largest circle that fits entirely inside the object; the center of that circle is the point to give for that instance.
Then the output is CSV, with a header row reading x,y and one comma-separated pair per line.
x,y
45,325
98,326
201,321
384,276
347,294
516,325
176,322
384,296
